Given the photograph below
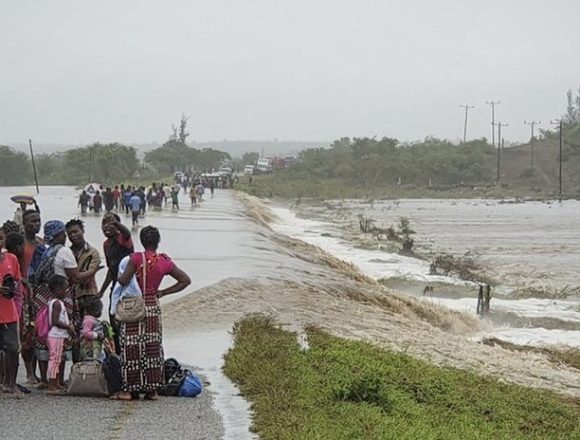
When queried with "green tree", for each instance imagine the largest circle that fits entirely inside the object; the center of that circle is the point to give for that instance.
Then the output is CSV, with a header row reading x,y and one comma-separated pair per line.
x,y
250,158
15,167
48,167
103,163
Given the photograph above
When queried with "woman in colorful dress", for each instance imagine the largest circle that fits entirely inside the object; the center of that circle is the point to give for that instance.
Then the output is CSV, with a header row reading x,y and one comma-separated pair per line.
x,y
141,342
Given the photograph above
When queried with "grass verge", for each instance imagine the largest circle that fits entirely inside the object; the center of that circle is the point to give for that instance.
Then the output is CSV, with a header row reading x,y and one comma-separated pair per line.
x,y
340,389
281,186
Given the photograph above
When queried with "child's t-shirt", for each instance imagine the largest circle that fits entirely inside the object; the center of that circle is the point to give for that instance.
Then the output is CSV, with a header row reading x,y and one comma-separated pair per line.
x,y
58,332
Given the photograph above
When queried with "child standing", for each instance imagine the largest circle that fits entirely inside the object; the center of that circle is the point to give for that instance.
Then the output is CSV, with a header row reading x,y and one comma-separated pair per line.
x,y
60,330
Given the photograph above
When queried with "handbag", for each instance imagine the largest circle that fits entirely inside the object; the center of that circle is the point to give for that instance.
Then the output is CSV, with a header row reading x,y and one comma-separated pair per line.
x,y
87,379
132,308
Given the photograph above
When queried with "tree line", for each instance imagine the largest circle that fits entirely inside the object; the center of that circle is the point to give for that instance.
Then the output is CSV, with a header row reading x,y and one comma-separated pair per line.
x,y
108,163
368,162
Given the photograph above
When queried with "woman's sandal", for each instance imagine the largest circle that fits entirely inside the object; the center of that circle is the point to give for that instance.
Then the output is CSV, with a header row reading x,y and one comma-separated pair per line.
x,y
152,395
56,392
126,397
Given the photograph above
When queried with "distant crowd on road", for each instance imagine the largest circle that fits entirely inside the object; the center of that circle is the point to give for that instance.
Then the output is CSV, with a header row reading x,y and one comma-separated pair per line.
x,y
135,200
51,304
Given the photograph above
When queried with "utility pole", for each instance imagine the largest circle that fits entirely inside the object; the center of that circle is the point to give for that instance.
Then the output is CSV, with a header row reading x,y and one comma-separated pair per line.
x,y
466,107
493,104
33,165
532,124
560,124
499,145
91,157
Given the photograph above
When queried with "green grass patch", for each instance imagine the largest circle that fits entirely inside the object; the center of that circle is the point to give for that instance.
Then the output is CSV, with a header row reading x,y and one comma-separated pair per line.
x,y
341,389
284,186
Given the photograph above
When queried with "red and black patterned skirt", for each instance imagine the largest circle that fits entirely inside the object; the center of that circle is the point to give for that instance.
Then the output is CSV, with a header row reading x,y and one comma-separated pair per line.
x,y
142,350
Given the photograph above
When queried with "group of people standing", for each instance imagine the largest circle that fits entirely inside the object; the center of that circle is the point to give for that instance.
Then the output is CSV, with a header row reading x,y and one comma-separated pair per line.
x,y
45,274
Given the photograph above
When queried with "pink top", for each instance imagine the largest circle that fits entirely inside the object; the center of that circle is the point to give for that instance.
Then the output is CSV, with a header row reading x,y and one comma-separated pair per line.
x,y
158,265
87,331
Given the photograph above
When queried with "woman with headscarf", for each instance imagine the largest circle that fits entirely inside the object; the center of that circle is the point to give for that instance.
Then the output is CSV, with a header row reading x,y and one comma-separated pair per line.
x,y
141,342
56,260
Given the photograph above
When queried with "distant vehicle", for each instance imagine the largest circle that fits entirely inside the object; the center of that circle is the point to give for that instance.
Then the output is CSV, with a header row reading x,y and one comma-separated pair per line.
x,y
263,165
178,176
249,170
225,170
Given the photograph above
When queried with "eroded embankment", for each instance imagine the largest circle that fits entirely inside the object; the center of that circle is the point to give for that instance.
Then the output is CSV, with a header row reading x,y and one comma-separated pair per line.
x,y
336,297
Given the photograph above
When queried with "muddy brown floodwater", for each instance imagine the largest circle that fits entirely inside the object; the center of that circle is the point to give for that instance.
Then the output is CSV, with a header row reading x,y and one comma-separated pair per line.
x,y
239,264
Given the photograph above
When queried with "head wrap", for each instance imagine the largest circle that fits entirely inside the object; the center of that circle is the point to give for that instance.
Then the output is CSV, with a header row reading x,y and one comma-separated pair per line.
x,y
52,228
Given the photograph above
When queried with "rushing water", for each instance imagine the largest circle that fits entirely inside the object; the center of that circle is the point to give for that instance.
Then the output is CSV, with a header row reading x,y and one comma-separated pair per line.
x,y
219,243
532,244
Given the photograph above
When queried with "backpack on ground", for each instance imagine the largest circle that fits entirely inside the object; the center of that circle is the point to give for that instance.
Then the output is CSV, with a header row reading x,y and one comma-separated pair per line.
x,y
42,324
173,385
170,367
191,385
113,373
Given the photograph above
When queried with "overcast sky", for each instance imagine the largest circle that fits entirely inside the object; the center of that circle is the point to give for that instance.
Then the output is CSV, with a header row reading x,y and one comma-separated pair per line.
x,y
77,72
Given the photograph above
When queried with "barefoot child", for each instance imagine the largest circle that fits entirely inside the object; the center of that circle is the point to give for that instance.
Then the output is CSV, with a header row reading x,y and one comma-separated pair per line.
x,y
60,330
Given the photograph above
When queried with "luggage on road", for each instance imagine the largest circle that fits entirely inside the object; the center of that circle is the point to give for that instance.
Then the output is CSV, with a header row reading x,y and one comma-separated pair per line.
x,y
88,379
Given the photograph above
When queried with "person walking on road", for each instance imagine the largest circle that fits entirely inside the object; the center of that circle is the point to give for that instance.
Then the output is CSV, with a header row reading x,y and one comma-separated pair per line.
x,y
175,198
84,199
108,200
135,203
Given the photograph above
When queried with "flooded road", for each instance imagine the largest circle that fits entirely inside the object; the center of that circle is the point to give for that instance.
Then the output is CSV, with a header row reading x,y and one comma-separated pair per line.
x,y
246,257
211,242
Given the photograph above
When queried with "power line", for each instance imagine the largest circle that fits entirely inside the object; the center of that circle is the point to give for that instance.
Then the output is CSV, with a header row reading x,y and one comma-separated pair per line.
x,y
532,124
466,107
499,145
493,104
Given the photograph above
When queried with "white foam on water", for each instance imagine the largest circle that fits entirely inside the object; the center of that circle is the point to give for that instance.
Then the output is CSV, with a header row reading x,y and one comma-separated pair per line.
x,y
375,263
538,337
565,310
380,264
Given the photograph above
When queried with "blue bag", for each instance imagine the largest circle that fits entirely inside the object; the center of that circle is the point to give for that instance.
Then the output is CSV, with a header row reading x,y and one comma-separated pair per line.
x,y
191,385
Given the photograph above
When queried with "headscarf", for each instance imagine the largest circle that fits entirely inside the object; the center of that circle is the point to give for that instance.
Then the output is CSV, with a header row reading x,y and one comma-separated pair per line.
x,y
52,228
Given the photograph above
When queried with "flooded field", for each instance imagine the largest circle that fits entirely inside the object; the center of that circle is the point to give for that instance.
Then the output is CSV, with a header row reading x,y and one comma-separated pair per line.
x,y
533,244
530,248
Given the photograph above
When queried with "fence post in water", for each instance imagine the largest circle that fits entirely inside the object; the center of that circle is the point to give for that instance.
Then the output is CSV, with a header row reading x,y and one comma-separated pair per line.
x,y
487,298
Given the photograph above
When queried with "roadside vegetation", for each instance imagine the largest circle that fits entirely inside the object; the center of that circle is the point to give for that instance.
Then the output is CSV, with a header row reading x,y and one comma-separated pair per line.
x,y
340,389
433,168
